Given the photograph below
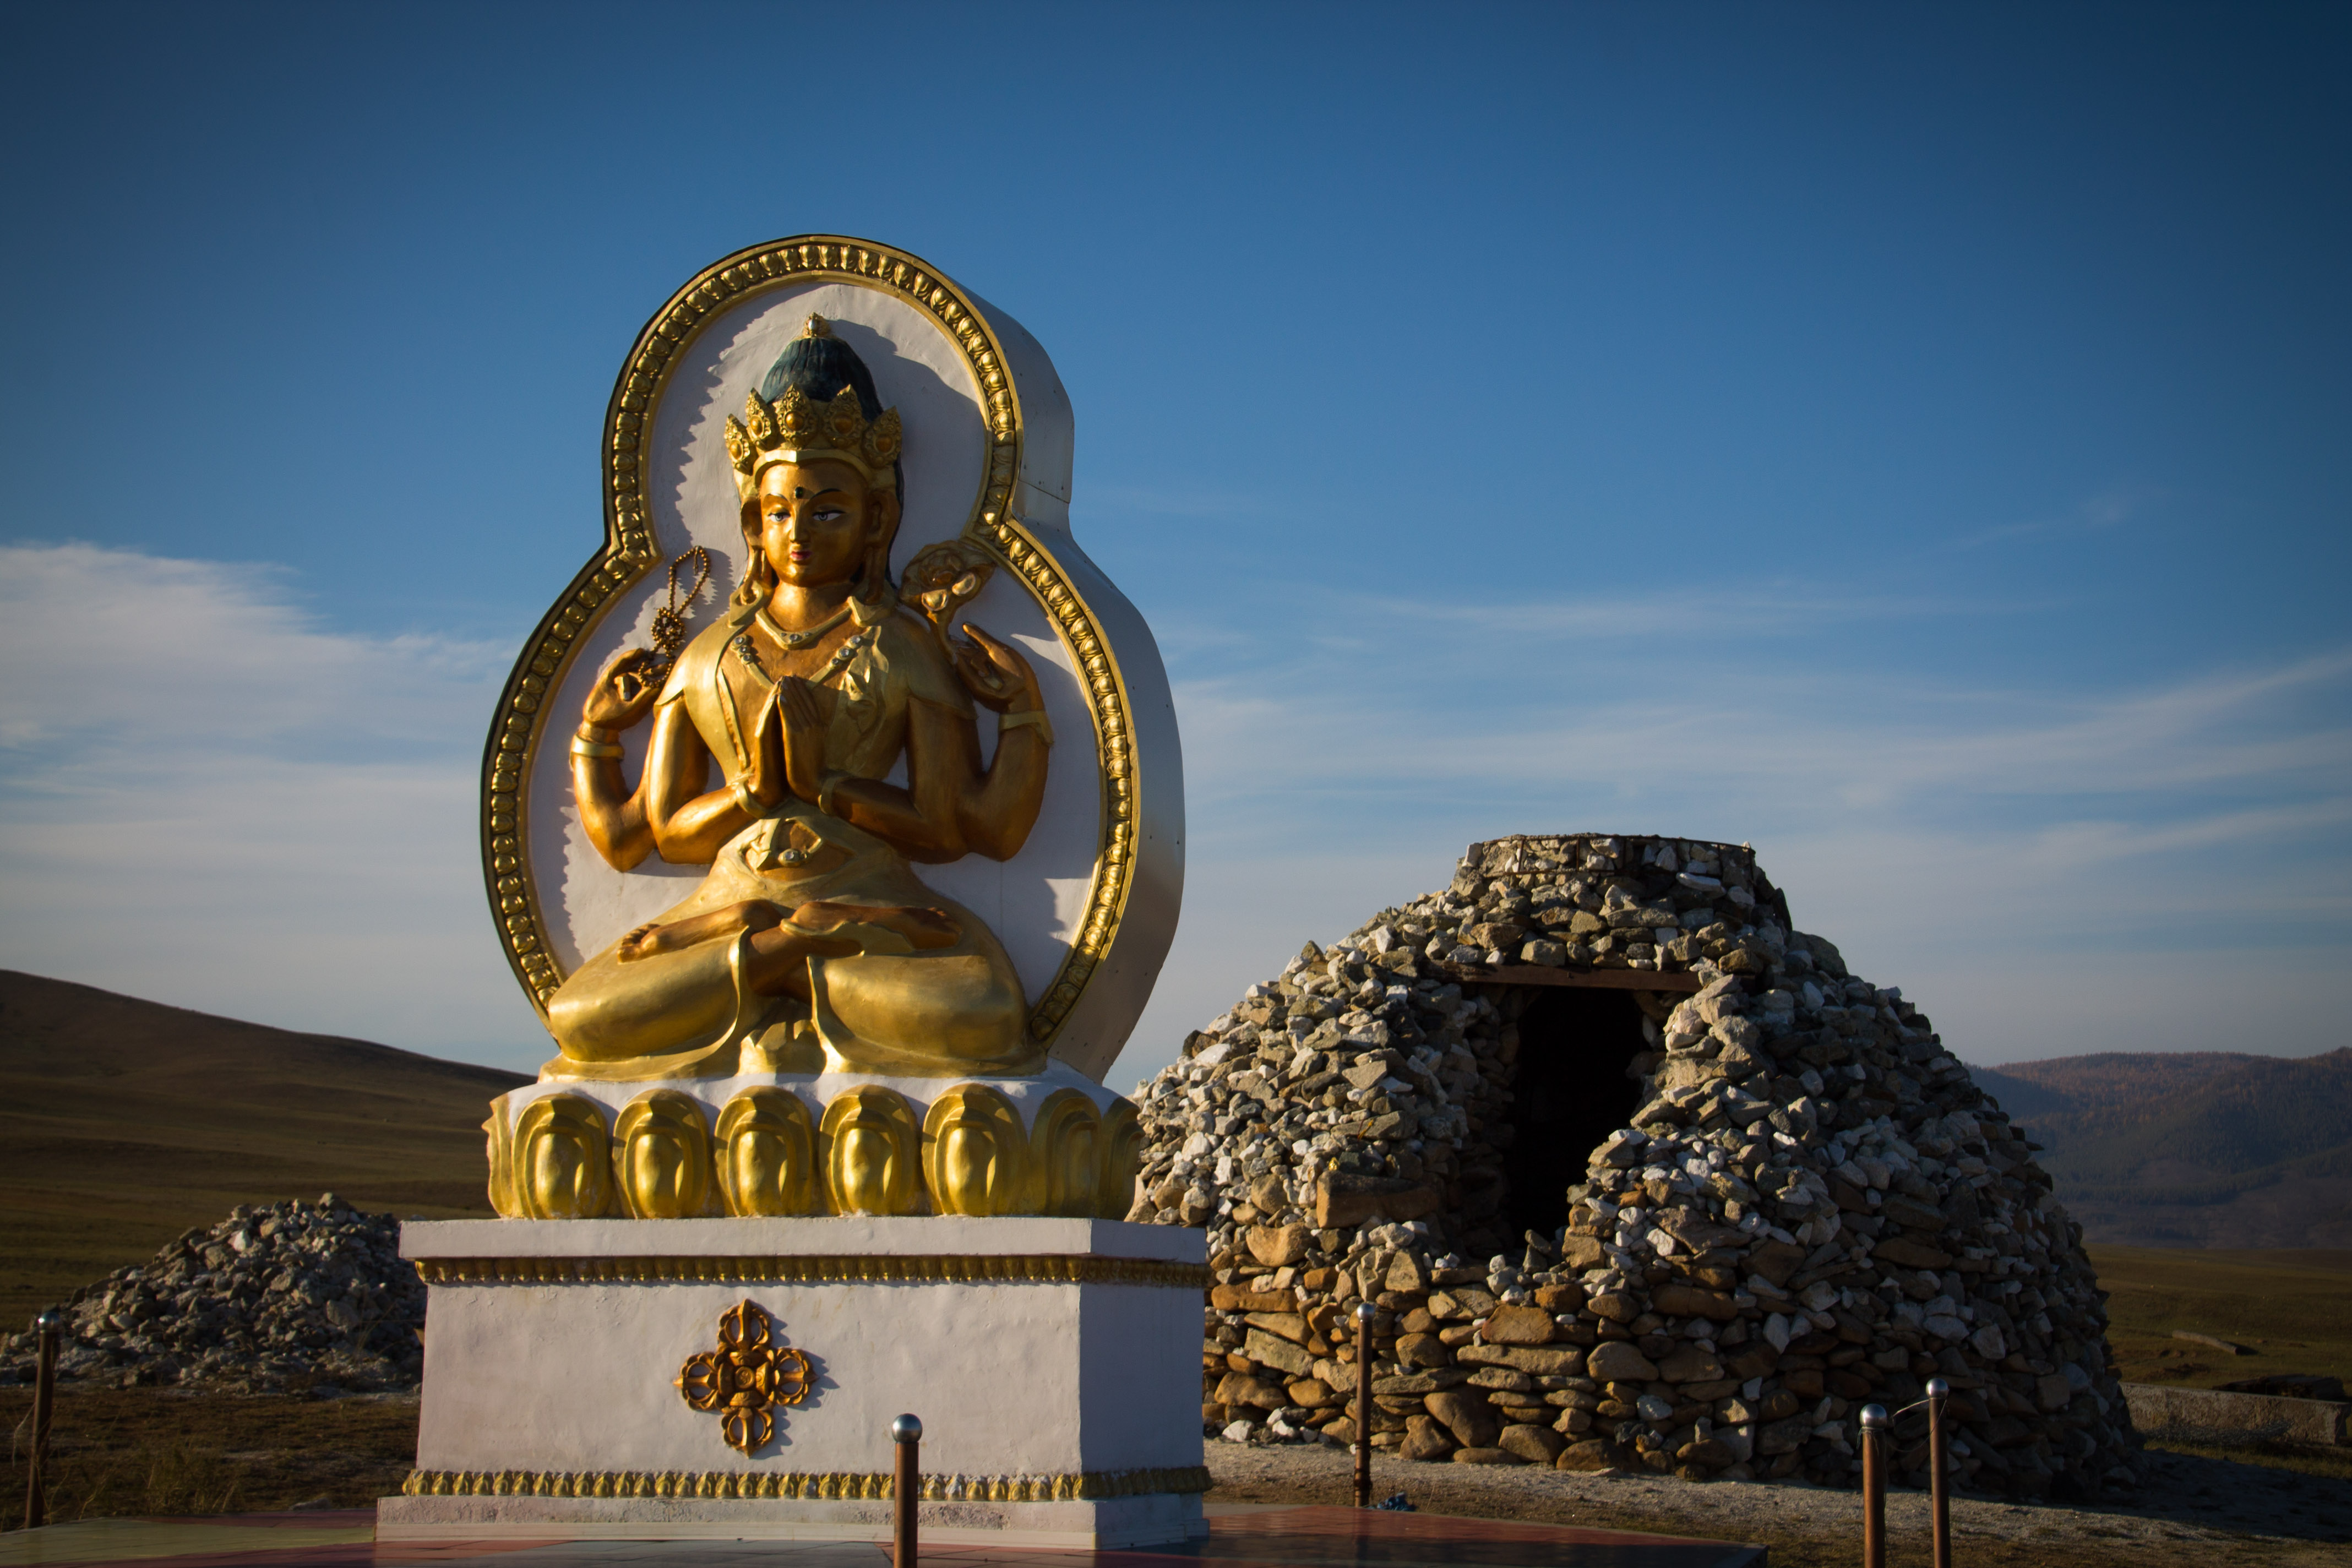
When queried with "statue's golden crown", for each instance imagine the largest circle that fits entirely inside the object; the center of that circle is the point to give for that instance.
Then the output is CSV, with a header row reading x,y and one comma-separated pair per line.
x,y
797,429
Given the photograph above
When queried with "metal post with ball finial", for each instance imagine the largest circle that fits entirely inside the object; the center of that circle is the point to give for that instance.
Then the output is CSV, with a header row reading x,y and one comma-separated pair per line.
x,y
45,1397
1875,1424
907,1487
1364,1315
1939,1459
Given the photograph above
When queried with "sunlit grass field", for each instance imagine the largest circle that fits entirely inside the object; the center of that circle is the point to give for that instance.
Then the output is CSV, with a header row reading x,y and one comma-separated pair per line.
x,y
2293,1310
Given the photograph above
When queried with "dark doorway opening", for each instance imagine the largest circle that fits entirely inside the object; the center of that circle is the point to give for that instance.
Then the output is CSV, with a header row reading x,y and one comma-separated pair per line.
x,y
1569,1093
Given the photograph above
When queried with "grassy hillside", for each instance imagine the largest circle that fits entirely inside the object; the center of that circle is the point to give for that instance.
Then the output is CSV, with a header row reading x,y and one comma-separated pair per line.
x,y
2198,1148
122,1122
2293,1309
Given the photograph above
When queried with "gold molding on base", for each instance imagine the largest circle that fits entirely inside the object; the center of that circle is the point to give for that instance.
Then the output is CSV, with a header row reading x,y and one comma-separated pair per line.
x,y
1087,1486
1006,1269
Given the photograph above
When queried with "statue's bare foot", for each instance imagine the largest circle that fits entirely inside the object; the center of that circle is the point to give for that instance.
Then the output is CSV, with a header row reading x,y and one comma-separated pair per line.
x,y
923,927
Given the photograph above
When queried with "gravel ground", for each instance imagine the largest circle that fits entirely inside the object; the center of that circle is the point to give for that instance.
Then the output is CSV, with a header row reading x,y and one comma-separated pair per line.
x,y
2194,1509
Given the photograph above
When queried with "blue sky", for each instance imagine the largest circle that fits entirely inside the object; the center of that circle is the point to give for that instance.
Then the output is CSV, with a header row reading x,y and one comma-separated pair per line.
x,y
1912,441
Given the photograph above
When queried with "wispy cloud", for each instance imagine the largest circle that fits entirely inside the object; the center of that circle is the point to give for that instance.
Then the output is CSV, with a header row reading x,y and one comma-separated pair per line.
x,y
209,797
2108,509
1954,834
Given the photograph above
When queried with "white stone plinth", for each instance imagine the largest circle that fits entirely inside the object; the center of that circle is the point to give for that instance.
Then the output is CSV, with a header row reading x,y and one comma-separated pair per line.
x,y
1053,1363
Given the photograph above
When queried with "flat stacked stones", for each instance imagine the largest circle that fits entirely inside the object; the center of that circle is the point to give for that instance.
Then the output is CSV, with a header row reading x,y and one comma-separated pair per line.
x,y
1813,1207
287,1297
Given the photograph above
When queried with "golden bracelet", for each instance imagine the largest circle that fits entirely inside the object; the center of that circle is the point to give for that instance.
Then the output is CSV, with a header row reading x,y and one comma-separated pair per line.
x,y
583,747
1035,716
833,779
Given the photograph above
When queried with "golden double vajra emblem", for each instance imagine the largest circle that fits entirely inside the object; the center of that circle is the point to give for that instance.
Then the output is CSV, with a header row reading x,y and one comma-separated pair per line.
x,y
746,1379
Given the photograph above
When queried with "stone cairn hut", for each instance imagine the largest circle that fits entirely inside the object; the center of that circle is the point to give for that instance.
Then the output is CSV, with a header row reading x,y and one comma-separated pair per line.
x,y
282,1298
1636,1176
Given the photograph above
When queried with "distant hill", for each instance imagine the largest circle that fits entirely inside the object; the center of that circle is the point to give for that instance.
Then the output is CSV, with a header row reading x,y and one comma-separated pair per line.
x,y
2193,1149
123,1123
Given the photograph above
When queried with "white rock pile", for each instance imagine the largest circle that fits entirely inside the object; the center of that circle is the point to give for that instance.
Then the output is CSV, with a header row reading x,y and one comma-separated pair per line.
x,y
290,1297
1812,1208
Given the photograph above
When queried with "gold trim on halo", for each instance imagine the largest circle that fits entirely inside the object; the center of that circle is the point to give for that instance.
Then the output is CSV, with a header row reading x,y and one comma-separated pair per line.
x,y
1084,1486
1004,1269
629,552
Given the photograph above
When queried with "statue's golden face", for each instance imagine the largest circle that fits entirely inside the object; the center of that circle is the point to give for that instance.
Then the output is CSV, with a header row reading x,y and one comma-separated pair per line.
x,y
816,520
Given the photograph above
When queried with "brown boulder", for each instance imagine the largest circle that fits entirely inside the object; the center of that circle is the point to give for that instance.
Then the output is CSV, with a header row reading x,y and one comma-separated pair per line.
x,y
1289,1325
1421,1350
1406,1275
1567,1297
1279,1354
1468,1301
1416,1384
1913,1215
1692,1363
1518,1326
1536,1444
1495,935
1425,1439
1544,1361
1238,1388
1312,1393
1277,1247
1906,1253
1502,1380
1618,1360
1592,1454
1341,1201
1706,1453
1486,1456
1688,1301
1581,1252
1616,1306
1467,1415
1234,1298
1776,1261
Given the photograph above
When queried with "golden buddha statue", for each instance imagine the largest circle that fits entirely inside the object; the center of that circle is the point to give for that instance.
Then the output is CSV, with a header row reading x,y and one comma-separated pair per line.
x,y
812,944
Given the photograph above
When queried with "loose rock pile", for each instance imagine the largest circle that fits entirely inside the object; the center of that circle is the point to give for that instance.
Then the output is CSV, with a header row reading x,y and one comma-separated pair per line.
x,y
1812,1207
294,1297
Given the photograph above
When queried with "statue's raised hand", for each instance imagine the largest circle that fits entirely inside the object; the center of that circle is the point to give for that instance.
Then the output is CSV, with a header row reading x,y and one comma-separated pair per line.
x,y
995,673
624,692
804,726
788,745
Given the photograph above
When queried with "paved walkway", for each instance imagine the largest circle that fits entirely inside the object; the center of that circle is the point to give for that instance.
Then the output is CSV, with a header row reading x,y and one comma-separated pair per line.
x,y
1242,1536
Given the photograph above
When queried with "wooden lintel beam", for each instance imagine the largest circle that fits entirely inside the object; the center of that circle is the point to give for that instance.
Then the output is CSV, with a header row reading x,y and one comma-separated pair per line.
x,y
1605,979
